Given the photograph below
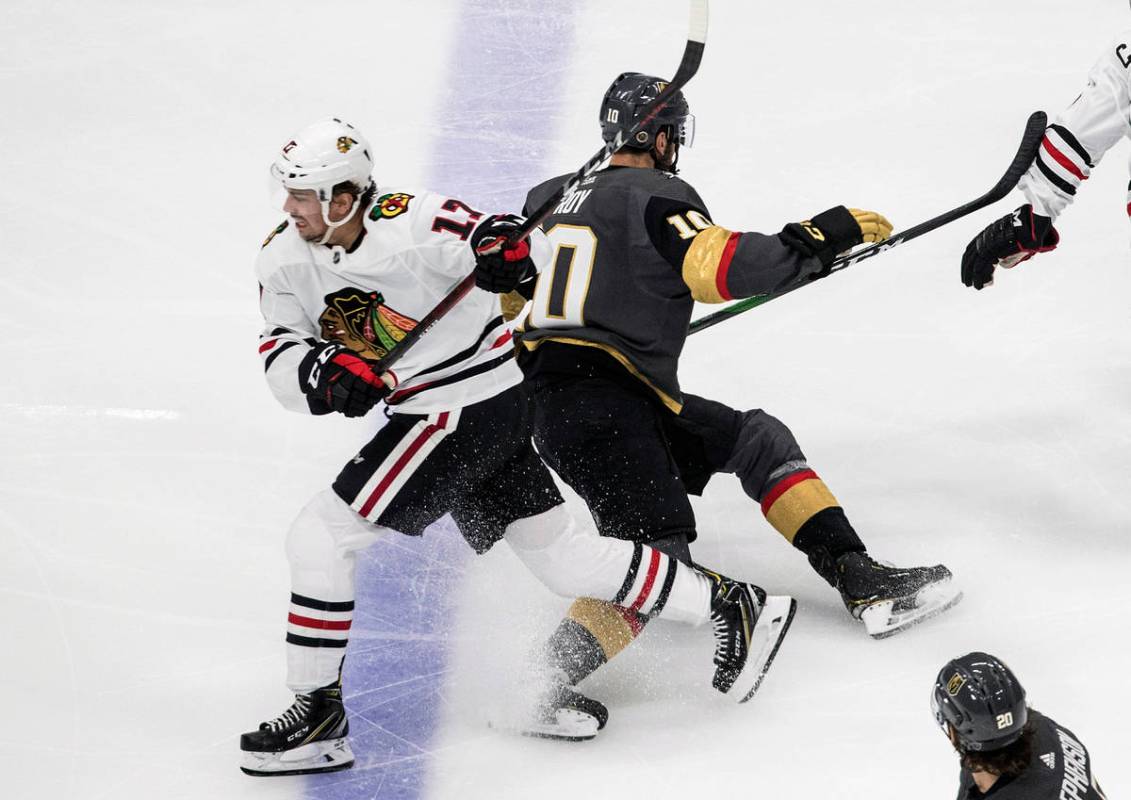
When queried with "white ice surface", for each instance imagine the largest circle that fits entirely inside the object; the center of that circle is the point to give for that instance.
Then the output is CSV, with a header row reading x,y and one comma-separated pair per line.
x,y
146,476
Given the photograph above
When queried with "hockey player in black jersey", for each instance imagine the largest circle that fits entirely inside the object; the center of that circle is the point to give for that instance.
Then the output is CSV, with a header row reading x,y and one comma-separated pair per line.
x,y
1008,750
634,248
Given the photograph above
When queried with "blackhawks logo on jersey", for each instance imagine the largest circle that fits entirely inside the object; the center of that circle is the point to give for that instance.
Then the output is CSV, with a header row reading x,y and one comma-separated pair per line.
x,y
390,205
362,322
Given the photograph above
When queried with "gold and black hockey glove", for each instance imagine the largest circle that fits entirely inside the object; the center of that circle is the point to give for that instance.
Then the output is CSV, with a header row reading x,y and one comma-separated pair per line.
x,y
835,231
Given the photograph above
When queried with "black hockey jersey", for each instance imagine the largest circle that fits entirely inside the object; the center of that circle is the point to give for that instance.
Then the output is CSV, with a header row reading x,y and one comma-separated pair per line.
x,y
1060,769
633,250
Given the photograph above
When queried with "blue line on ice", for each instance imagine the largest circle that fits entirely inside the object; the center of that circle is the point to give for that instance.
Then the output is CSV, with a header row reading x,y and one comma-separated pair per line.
x,y
491,145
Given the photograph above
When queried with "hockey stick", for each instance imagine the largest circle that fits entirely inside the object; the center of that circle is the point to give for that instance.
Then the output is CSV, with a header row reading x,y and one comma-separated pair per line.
x,y
688,66
1030,142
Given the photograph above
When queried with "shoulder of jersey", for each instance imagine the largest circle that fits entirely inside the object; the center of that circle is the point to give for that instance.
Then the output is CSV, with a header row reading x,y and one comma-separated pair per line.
x,y
650,181
282,246
1117,54
393,206
402,216
664,183
537,196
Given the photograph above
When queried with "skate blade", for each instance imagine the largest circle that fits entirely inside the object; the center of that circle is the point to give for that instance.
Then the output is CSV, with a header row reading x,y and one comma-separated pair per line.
x,y
568,725
328,755
890,617
769,631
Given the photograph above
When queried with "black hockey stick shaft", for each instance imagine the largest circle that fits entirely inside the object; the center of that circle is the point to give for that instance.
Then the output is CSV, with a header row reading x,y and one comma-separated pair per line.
x,y
688,66
1030,142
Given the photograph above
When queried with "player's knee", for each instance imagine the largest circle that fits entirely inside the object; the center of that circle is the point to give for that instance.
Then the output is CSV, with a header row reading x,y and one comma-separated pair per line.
x,y
765,444
538,532
564,558
325,529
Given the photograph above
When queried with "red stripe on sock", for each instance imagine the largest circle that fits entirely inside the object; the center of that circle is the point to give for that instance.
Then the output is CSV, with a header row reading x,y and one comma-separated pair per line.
x,y
783,486
263,348
635,623
406,456
321,624
649,581
1062,159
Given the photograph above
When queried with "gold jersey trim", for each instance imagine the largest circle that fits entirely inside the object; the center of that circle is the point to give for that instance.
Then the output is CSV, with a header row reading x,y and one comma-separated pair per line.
x,y
670,402
701,264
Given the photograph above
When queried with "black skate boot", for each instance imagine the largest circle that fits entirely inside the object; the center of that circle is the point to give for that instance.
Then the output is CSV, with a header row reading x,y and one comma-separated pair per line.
x,y
889,599
749,628
310,736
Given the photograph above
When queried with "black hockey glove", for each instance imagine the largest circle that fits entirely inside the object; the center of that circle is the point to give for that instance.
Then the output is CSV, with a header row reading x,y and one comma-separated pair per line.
x,y
833,232
1006,243
498,268
333,374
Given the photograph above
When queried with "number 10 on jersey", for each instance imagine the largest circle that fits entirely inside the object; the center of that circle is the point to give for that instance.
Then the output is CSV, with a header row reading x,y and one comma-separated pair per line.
x,y
559,299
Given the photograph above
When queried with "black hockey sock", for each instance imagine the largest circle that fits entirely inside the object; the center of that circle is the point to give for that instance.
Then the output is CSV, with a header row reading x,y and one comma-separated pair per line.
x,y
824,538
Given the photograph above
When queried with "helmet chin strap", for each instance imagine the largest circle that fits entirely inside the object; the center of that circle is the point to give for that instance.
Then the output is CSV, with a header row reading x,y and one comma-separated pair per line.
x,y
332,226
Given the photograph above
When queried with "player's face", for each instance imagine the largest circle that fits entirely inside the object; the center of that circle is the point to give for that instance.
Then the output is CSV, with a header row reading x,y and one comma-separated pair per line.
x,y
305,212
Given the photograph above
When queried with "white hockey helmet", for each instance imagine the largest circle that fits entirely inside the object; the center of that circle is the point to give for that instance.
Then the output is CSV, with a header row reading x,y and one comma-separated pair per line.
x,y
322,156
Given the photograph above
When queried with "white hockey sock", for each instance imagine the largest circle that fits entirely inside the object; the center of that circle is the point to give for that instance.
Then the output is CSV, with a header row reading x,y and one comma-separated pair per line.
x,y
573,564
321,545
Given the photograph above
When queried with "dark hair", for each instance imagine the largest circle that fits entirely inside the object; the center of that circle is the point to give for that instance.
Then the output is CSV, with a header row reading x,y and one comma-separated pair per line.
x,y
350,187
1009,761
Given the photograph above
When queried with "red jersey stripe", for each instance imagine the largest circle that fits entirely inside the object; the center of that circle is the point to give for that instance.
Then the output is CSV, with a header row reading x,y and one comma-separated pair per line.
x,y
724,266
406,456
1062,159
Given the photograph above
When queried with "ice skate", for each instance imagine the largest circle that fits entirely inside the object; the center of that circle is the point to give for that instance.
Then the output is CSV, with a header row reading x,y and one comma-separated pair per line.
x,y
749,628
564,713
560,712
310,736
889,599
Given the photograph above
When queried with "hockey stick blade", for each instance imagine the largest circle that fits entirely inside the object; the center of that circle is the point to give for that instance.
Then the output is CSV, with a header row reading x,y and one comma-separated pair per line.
x,y
688,66
1026,152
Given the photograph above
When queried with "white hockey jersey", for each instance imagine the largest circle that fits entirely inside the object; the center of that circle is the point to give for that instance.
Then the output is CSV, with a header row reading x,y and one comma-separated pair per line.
x,y
413,251
1083,133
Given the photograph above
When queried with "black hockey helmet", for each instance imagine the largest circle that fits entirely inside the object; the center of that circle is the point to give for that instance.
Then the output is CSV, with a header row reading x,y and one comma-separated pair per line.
x,y
979,703
623,103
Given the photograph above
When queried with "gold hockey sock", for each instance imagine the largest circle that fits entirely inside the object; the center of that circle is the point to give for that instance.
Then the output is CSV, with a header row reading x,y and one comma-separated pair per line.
x,y
592,633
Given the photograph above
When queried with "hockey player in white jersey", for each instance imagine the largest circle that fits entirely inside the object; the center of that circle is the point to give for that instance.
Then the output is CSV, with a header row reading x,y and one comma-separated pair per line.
x,y
1073,145
342,280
